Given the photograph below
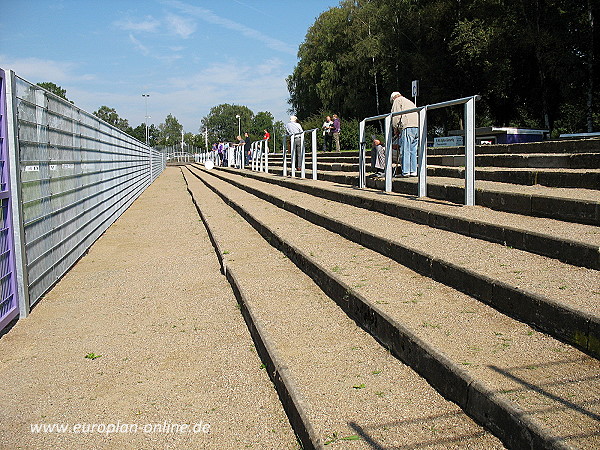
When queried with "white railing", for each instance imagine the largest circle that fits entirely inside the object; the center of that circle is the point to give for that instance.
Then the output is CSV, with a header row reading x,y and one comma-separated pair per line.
x,y
469,140
302,138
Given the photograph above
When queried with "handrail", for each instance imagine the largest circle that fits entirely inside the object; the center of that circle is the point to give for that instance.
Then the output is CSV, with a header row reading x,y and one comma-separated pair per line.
x,y
301,135
469,139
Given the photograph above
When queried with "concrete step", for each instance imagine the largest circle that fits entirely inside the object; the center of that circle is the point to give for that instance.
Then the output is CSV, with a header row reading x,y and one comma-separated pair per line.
x,y
531,161
566,315
334,390
528,388
567,204
550,160
560,178
576,244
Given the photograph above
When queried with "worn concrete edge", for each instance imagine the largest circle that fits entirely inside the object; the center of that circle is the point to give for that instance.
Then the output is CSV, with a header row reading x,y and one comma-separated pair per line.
x,y
565,250
555,207
503,418
579,330
278,372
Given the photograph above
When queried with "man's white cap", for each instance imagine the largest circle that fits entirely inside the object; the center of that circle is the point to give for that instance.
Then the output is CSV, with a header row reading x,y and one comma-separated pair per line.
x,y
293,118
394,95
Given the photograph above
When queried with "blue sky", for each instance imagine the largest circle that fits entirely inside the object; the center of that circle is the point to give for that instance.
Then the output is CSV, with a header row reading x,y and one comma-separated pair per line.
x,y
189,55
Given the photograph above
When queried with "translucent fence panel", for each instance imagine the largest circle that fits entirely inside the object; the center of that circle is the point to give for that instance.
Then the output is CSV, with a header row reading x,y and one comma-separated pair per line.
x,y
75,175
9,306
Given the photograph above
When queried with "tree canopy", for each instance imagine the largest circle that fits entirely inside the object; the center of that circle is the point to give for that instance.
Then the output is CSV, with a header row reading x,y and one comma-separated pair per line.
x,y
532,61
222,122
55,89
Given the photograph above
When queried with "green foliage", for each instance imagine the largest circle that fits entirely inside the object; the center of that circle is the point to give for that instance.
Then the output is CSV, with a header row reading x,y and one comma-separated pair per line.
x,y
55,89
110,115
532,62
222,122
170,131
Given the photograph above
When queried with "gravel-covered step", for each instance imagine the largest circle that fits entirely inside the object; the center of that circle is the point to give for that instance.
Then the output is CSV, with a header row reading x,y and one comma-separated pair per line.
x,y
558,298
568,204
576,244
336,382
512,378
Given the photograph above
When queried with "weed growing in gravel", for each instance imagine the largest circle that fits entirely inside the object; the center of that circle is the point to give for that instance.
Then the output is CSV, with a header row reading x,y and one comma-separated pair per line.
x,y
92,356
359,386
335,438
376,372
430,325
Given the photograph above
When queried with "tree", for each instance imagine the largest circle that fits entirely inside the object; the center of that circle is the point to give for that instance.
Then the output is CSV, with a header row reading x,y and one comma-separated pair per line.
x,y
170,131
55,89
222,123
262,121
110,115
532,61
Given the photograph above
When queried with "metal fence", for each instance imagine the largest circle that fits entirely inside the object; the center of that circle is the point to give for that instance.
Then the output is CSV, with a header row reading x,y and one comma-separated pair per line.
x,y
422,111
72,176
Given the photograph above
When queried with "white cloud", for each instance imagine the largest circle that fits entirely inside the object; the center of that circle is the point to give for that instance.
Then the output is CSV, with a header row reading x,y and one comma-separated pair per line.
x,y
210,17
148,25
180,25
138,45
38,70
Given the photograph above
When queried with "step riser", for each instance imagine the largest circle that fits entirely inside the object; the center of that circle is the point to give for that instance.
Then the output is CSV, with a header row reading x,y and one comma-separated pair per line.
x,y
537,206
453,382
585,180
570,252
278,372
577,329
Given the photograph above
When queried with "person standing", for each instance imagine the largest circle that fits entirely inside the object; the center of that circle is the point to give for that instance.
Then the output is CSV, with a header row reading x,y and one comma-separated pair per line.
x,y
336,132
293,127
407,126
377,158
247,149
327,134
266,137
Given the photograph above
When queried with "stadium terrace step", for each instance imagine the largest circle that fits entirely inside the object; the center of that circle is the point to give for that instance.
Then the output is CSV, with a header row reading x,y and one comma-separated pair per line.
x,y
568,204
562,315
542,161
562,178
571,243
333,389
529,389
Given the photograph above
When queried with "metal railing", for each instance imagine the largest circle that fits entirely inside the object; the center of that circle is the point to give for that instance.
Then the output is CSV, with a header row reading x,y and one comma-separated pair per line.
x,y
260,156
293,150
469,140
72,176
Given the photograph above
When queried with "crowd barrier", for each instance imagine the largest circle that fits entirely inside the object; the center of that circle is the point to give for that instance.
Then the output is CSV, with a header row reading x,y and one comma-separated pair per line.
x,y
302,137
469,140
67,177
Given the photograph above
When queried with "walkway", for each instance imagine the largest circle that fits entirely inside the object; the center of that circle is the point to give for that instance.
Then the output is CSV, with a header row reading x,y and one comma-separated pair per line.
x,y
165,341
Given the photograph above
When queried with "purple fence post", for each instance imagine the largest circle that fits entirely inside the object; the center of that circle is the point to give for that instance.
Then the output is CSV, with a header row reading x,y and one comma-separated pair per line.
x,y
9,304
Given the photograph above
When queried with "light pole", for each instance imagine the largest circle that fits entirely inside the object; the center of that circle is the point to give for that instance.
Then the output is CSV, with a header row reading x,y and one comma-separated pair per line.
x,y
146,117
239,118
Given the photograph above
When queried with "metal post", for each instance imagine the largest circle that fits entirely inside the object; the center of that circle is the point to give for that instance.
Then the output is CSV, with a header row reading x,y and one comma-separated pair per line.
x,y
267,156
362,176
470,152
284,156
302,156
314,154
293,154
18,229
388,153
422,156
